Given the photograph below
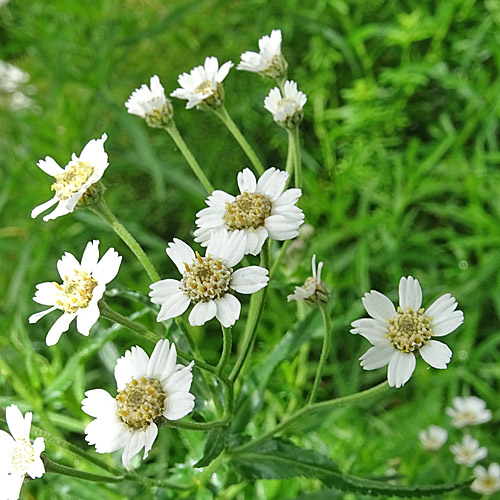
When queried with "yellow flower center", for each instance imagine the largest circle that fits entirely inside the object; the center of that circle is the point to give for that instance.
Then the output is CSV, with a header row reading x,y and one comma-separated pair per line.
x,y
247,211
206,279
71,181
22,456
204,88
409,330
465,417
75,293
140,403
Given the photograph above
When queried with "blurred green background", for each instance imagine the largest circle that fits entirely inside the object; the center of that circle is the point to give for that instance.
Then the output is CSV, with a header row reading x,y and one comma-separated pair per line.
x,y
401,151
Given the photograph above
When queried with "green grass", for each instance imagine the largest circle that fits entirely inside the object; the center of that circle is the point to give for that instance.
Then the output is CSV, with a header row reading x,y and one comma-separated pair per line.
x,y
400,148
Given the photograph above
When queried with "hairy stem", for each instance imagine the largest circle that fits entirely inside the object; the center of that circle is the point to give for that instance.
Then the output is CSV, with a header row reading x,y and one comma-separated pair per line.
x,y
226,348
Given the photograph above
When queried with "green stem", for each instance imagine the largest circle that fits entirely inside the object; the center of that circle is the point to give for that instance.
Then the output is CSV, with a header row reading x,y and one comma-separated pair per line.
x,y
186,152
290,159
55,468
102,210
194,426
324,355
276,263
226,348
255,310
313,408
223,115
294,140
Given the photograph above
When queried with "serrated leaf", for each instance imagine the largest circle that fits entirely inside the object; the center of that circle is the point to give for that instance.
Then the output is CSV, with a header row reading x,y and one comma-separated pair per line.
x,y
280,459
217,441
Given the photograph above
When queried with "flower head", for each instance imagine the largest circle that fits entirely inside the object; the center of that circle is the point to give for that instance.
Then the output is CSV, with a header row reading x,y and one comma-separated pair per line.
x,y
75,182
82,287
313,292
269,61
286,110
397,335
207,281
487,482
433,438
18,456
203,86
151,104
468,451
262,209
149,389
468,411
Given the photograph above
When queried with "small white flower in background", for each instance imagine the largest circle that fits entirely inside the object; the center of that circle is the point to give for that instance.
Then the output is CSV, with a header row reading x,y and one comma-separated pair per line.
x,y
11,77
83,286
433,438
487,482
468,451
397,335
203,86
269,61
149,389
286,110
314,292
262,210
151,104
75,180
207,281
18,456
468,411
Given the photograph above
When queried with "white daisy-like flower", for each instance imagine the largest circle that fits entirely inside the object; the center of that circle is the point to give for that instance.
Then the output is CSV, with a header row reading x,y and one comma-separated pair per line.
x,y
18,456
269,61
75,180
468,411
83,285
151,104
203,86
487,482
397,335
314,292
149,389
468,451
433,438
286,110
262,209
207,281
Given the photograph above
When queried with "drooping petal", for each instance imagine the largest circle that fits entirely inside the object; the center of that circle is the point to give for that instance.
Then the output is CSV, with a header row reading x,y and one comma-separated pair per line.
x,y
436,354
228,310
35,317
249,279
58,328
151,433
401,368
44,206
86,318
378,306
410,294
136,440
202,312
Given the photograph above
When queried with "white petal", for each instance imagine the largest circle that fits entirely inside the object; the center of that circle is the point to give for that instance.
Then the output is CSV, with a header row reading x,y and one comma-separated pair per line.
x,y
180,381
58,328
377,356
410,294
90,256
443,305
36,468
224,70
436,354
151,433
173,306
133,364
67,265
401,368
371,329
180,253
247,181
249,279
444,325
228,310
159,358
86,318
136,440
272,183
61,209
178,405
233,249
16,423
50,166
378,306
46,293
108,267
11,486
35,317
99,404
107,434
163,289
202,312
44,206
259,236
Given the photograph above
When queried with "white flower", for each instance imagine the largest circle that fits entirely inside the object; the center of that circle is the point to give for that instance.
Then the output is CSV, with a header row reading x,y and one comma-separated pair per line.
x,y
82,288
396,336
261,210
207,281
468,411
151,104
269,61
286,110
313,291
73,181
11,77
433,438
18,456
149,389
203,86
487,482
468,451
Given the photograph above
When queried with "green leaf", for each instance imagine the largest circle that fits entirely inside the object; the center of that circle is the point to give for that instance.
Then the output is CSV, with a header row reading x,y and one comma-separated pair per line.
x,y
217,441
280,459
